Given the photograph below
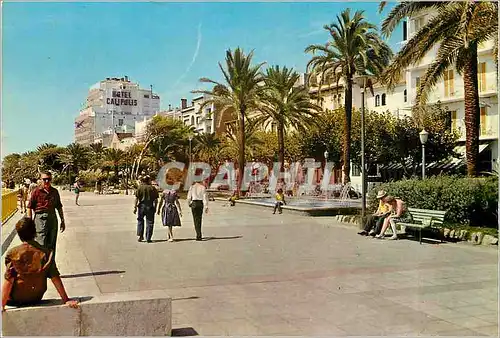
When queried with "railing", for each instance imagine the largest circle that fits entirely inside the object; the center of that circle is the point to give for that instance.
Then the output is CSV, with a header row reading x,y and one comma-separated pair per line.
x,y
9,203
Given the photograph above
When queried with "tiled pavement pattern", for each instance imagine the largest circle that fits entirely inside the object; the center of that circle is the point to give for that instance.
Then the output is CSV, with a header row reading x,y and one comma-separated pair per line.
x,y
264,274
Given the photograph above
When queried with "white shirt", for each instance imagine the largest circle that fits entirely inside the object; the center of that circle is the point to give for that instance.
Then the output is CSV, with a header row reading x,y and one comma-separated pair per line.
x,y
198,192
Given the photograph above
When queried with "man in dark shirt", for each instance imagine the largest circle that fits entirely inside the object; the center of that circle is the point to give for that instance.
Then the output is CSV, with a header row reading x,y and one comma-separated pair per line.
x,y
146,200
42,206
27,268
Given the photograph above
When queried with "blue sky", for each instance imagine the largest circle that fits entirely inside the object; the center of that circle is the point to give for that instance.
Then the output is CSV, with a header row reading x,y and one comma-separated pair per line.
x,y
53,52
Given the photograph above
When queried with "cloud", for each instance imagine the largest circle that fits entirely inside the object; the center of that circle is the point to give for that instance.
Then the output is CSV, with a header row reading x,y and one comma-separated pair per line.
x,y
193,60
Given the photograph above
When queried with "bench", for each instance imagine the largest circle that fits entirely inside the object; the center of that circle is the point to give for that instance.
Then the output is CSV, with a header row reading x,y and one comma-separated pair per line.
x,y
423,218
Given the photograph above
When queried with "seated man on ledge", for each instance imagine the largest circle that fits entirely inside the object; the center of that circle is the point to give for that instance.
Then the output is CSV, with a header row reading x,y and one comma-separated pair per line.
x,y
27,268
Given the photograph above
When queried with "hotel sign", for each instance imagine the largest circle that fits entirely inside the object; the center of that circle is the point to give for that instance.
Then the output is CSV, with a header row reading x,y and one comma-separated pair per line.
x,y
120,98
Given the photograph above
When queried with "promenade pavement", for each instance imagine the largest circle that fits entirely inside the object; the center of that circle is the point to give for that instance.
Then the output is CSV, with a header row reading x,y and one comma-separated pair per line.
x,y
262,274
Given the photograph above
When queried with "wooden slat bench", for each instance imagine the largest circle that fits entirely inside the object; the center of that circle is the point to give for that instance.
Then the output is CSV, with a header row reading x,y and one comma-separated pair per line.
x,y
423,218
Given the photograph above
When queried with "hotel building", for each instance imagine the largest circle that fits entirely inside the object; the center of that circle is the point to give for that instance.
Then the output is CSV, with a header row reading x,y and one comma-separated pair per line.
x,y
114,105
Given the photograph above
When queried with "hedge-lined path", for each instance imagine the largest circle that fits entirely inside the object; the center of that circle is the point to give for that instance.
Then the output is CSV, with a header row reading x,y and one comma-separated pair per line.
x,y
264,274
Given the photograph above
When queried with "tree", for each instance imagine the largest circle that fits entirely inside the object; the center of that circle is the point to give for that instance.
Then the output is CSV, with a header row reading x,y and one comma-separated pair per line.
x,y
285,105
97,152
208,147
114,158
239,95
76,157
252,142
164,136
457,28
49,156
355,49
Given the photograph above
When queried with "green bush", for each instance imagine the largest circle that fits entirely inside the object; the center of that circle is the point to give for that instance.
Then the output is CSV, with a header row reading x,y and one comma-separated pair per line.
x,y
469,201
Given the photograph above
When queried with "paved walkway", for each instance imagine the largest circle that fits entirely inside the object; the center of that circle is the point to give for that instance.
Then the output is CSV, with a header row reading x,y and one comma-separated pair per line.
x,y
264,274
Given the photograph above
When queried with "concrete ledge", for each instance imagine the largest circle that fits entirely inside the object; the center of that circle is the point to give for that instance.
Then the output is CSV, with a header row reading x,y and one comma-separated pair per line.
x,y
147,313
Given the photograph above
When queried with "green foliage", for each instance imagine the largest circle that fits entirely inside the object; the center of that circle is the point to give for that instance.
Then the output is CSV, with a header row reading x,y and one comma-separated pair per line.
x,y
470,201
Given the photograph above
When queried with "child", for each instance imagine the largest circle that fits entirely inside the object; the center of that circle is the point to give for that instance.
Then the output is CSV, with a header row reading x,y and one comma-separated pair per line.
x,y
232,199
280,200
27,268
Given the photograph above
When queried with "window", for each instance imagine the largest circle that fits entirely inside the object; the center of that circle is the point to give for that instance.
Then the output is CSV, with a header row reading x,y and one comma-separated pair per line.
x,y
449,89
451,120
417,82
405,30
482,122
377,100
383,99
197,120
356,170
481,73
192,120
146,96
209,129
419,23
120,122
405,95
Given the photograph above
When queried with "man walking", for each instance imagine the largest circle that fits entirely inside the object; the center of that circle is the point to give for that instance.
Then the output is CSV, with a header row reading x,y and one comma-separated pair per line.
x,y
146,200
42,206
197,200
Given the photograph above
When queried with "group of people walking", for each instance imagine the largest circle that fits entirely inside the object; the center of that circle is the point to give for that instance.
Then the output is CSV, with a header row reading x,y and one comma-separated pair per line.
x,y
29,265
390,211
146,205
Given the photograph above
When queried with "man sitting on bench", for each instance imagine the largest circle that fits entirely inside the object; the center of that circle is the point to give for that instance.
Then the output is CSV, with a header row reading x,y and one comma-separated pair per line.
x,y
27,268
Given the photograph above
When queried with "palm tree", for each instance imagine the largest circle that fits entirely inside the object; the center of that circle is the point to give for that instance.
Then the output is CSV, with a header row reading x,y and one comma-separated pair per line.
x,y
76,157
457,28
355,48
239,95
208,148
252,140
97,152
114,158
285,105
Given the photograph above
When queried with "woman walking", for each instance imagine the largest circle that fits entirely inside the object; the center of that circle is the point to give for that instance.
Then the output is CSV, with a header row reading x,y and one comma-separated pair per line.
x,y
77,189
171,211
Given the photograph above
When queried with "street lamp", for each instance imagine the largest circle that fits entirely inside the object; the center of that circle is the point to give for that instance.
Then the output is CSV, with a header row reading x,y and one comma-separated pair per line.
x,y
190,139
423,139
361,81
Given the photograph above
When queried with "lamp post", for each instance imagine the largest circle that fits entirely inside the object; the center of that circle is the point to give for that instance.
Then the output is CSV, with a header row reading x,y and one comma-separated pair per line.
x,y
361,81
190,139
423,139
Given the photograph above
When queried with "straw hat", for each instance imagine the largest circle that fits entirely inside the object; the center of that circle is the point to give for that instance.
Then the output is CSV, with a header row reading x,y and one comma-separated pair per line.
x,y
381,194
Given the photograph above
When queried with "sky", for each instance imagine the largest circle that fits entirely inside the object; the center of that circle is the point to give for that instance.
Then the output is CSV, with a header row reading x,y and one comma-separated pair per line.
x,y
53,52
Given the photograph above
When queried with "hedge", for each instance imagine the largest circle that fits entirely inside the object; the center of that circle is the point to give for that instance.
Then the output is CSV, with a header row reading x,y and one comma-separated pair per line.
x,y
469,201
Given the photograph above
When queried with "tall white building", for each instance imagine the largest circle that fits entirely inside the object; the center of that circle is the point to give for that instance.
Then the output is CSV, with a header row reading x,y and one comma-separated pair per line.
x,y
113,105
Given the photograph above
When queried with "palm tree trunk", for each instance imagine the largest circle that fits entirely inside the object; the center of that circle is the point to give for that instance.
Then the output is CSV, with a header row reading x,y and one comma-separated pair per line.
x,y
472,112
241,157
347,130
281,146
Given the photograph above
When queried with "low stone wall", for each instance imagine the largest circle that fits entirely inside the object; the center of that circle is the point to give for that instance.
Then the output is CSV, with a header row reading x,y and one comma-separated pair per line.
x,y
121,314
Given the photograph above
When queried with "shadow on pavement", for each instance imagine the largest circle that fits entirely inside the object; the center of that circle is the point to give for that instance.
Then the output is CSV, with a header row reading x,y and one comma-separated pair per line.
x,y
185,298
207,238
184,332
97,273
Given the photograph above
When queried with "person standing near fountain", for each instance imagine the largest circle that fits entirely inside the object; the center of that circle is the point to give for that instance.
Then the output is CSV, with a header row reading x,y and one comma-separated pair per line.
x,y
280,200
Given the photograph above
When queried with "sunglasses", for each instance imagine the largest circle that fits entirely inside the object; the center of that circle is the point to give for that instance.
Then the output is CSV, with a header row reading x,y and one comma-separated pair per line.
x,y
48,179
